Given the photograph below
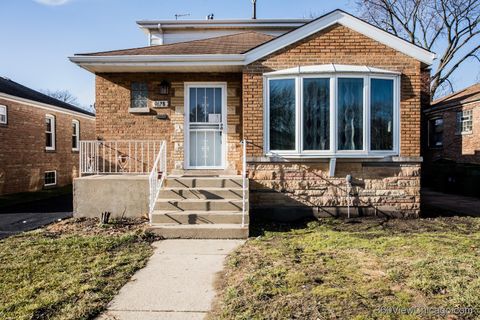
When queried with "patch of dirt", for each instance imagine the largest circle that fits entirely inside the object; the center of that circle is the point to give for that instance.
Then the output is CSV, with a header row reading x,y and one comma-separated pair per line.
x,y
92,226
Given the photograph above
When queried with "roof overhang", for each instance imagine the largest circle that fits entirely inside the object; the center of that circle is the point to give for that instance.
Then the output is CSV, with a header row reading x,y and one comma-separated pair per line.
x,y
161,63
221,24
234,62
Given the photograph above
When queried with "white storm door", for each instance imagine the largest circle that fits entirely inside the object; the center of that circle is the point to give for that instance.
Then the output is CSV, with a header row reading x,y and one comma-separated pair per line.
x,y
205,120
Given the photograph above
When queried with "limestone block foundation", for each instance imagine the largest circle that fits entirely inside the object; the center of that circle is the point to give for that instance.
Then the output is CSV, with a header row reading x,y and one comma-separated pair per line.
x,y
125,195
290,190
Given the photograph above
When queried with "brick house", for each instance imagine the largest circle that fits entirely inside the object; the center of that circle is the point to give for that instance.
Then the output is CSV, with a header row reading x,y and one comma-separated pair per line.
x,y
452,146
39,139
329,110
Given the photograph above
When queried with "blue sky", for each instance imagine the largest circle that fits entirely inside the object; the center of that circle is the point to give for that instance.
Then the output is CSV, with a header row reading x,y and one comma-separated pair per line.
x,y
37,36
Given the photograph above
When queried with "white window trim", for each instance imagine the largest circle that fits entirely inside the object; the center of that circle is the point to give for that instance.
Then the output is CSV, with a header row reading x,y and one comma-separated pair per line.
x,y
50,184
223,86
459,124
77,134
366,152
53,127
5,113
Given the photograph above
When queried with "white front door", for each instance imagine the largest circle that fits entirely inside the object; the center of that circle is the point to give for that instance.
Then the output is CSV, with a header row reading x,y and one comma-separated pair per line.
x,y
205,126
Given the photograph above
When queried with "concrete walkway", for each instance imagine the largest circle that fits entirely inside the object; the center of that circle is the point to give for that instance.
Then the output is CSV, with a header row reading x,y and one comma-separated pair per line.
x,y
177,282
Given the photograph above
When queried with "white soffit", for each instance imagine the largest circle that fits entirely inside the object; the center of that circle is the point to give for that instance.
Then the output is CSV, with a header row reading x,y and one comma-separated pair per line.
x,y
348,21
331,68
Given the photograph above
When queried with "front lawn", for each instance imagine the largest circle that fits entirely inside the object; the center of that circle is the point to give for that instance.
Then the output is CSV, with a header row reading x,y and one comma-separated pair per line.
x,y
69,270
360,269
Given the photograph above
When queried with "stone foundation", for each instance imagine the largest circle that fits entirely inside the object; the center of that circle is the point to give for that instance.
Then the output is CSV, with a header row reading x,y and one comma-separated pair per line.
x,y
378,188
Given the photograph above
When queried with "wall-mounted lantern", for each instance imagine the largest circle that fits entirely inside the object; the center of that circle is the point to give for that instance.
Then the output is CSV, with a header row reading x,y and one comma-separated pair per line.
x,y
164,87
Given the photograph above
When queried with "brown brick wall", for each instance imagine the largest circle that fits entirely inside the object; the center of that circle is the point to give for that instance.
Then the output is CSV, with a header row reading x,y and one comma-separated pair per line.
x,y
336,44
387,186
23,158
461,148
115,122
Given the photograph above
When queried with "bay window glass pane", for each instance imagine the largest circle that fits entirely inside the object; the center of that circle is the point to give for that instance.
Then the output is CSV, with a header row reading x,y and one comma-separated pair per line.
x,y
282,114
316,114
350,114
381,114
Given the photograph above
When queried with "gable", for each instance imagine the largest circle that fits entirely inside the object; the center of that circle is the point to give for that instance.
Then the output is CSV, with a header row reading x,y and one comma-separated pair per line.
x,y
336,44
346,20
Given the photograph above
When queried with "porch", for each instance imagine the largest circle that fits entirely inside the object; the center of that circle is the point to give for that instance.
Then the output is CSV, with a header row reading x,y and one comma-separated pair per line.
x,y
128,178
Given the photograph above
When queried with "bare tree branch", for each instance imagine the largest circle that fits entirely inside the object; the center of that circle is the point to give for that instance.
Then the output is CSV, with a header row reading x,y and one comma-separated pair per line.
x,y
449,27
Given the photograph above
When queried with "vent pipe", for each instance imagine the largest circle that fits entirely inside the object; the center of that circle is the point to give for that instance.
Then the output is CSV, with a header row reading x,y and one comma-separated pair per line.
x,y
254,2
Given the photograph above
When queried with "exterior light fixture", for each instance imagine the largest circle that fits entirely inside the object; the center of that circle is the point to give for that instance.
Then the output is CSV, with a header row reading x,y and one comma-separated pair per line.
x,y
164,87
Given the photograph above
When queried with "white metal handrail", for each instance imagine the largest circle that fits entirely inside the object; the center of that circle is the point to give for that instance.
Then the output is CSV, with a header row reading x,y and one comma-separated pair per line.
x,y
156,177
244,180
118,156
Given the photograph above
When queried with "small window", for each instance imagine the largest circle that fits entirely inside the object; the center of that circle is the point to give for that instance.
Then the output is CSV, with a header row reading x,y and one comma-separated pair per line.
x,y
3,114
464,122
75,135
50,178
139,95
435,128
49,132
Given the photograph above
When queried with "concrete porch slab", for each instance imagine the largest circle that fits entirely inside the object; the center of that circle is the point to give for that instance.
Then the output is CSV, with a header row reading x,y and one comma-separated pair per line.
x,y
177,282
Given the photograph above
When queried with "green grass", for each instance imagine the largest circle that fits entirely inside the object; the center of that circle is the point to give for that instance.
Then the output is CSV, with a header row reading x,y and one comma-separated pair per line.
x,y
332,269
8,200
67,274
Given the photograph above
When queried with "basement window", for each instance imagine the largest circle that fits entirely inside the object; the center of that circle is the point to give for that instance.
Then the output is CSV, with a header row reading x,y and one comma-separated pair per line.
x,y
50,178
3,114
326,112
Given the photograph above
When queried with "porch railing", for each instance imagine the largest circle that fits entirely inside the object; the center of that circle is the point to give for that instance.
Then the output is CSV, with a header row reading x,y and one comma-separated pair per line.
x,y
118,157
244,180
157,176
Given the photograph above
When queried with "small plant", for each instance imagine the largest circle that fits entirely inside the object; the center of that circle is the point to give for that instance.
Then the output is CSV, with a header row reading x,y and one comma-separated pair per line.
x,y
105,217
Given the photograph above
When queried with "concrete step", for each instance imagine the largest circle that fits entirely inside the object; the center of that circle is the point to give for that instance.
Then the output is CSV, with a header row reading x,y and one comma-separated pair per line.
x,y
199,217
203,182
201,193
199,204
200,231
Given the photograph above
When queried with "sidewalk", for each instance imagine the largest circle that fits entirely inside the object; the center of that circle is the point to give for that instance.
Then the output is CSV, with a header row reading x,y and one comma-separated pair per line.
x,y
177,282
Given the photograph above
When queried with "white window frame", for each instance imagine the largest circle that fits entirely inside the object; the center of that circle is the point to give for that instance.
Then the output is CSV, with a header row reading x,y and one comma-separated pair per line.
x,y
186,123
459,121
4,112
76,123
55,177
53,127
333,152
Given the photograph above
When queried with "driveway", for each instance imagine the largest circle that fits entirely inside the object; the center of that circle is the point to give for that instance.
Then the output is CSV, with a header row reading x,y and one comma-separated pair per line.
x,y
28,216
436,204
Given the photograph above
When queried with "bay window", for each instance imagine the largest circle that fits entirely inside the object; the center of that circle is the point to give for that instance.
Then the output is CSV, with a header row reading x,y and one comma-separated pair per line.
x,y
344,114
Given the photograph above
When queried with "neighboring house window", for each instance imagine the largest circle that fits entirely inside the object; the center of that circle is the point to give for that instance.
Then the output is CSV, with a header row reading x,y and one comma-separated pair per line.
x,y
3,115
75,135
464,122
50,178
49,132
435,132
330,115
139,95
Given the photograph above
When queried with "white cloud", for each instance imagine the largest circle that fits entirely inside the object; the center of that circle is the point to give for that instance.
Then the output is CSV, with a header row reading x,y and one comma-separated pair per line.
x,y
52,2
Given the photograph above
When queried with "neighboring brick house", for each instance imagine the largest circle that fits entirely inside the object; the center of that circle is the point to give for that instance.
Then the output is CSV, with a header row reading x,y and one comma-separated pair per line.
x,y
39,139
317,101
452,146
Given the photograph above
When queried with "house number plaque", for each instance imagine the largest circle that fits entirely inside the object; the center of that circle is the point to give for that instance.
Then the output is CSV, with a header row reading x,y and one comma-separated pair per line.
x,y
161,104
